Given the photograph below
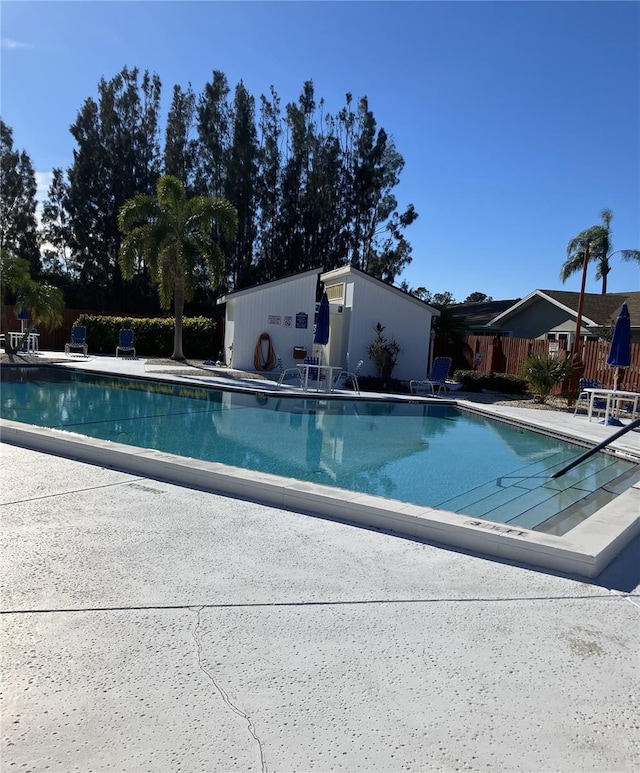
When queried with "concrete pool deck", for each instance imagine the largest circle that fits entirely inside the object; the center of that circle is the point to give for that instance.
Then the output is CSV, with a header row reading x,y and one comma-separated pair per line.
x,y
146,627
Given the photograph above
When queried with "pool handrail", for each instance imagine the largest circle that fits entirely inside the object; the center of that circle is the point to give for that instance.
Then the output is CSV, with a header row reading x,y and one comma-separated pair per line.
x,y
634,425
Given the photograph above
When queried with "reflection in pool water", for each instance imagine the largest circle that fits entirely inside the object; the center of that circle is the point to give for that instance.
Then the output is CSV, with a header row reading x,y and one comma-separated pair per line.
x,y
428,454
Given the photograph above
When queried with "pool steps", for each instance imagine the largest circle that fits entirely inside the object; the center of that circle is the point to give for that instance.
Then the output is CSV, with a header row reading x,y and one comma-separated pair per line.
x,y
546,498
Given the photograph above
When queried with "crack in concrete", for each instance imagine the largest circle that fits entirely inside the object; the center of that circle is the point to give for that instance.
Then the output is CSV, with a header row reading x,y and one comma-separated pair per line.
x,y
81,490
629,595
223,694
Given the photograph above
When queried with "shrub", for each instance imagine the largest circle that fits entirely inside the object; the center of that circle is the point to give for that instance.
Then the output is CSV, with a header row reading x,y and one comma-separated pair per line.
x,y
153,337
376,384
543,373
473,381
384,353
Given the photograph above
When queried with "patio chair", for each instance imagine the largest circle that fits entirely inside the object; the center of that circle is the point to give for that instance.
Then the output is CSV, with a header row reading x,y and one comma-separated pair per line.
x,y
631,410
346,377
78,339
599,403
287,372
125,343
437,379
314,373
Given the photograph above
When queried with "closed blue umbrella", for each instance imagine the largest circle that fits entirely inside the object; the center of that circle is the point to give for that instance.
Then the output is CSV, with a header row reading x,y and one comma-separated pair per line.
x,y
619,352
620,349
321,335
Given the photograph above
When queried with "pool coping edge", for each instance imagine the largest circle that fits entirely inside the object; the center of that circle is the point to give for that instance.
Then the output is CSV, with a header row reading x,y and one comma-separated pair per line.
x,y
584,551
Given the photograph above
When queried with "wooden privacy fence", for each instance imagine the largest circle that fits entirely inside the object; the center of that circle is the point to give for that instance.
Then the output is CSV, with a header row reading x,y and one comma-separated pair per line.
x,y
488,354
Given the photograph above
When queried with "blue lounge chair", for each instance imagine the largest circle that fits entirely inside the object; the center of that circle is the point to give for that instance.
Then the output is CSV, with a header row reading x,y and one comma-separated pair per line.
x,y
437,379
313,372
125,343
78,339
599,403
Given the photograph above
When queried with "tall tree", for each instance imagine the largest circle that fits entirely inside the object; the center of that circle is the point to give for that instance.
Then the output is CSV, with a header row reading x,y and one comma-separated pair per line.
x,y
324,220
88,204
171,232
314,190
372,169
117,157
294,232
477,297
599,238
18,226
241,188
180,150
58,260
435,299
269,185
213,123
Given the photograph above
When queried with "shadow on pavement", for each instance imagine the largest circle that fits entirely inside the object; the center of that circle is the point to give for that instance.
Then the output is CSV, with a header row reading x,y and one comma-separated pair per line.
x,y
623,573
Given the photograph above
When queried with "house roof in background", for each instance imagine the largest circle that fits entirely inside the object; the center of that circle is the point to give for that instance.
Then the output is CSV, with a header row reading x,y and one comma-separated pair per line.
x,y
602,309
480,313
597,310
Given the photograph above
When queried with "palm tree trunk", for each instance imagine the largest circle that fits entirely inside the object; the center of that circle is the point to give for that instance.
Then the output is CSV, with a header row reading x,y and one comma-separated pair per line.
x,y
178,306
26,335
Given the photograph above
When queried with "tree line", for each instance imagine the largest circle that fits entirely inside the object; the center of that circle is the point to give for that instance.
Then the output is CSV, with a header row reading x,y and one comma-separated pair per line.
x,y
311,188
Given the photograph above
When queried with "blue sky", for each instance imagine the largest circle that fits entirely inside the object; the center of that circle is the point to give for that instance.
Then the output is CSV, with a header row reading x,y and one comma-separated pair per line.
x,y
518,121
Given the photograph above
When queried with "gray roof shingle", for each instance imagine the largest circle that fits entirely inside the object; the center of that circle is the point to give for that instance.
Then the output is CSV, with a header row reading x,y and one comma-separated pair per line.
x,y
602,309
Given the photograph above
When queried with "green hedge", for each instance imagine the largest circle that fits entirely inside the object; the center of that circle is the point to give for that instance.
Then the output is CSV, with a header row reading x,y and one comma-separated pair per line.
x,y
473,381
152,337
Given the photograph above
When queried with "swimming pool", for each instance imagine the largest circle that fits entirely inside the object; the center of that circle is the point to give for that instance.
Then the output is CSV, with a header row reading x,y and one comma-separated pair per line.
x,y
432,455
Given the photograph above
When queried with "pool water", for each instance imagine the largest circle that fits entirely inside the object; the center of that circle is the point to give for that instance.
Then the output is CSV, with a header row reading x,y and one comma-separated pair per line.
x,y
429,454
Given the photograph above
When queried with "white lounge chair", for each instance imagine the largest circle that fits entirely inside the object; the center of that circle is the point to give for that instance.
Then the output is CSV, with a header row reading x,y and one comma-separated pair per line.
x,y
287,372
349,377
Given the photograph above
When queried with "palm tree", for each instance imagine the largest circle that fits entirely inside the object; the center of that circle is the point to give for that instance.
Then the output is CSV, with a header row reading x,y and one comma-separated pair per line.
x,y
14,271
43,302
172,233
600,243
449,324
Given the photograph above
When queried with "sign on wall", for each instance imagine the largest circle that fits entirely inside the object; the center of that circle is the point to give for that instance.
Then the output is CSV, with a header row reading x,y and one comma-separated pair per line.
x,y
302,320
274,319
288,321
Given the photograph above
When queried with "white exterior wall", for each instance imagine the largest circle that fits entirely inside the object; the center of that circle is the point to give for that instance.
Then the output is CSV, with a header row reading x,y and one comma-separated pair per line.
x,y
335,353
248,312
365,302
407,322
